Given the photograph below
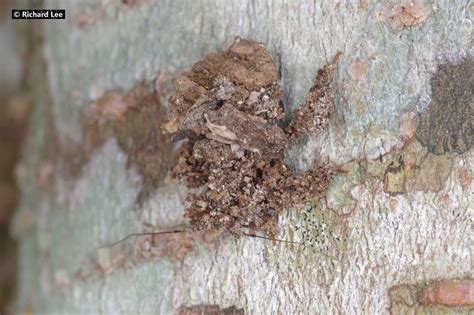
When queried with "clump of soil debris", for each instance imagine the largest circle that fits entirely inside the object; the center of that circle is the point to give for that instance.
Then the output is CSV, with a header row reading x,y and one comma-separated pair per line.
x,y
229,109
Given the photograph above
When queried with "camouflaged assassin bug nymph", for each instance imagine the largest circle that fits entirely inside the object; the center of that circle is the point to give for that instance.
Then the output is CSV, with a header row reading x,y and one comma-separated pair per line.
x,y
228,110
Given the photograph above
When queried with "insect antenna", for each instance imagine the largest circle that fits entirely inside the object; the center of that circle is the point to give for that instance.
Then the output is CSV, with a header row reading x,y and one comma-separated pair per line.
x,y
141,234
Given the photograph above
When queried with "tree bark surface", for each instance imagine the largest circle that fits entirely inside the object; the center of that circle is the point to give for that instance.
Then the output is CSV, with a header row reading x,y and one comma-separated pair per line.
x,y
395,223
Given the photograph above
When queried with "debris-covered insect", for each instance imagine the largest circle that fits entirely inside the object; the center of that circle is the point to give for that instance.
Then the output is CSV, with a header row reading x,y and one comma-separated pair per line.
x,y
229,110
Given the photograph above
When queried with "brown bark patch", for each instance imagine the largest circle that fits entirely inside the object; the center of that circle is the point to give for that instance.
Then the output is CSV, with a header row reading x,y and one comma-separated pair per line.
x,y
357,69
464,178
407,127
449,293
444,296
431,174
447,125
134,119
401,14
392,204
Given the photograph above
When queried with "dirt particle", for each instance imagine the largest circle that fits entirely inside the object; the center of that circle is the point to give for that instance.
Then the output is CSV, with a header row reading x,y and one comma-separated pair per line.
x,y
229,108
447,125
402,14
244,192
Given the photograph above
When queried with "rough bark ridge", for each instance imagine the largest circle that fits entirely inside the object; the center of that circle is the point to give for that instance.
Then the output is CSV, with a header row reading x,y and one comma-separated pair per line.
x,y
391,234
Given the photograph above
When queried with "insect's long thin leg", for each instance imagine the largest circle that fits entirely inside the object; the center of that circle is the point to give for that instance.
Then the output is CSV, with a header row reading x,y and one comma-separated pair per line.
x,y
141,234
184,231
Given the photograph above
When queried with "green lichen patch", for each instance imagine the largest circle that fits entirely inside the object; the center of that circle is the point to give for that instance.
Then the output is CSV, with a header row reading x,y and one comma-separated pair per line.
x,y
318,231
319,240
314,228
447,125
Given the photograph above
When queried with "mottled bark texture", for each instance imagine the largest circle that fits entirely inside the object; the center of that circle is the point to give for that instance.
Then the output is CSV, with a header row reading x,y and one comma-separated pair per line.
x,y
391,233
